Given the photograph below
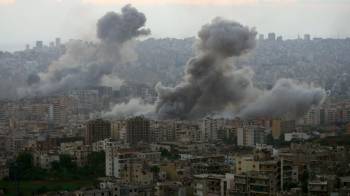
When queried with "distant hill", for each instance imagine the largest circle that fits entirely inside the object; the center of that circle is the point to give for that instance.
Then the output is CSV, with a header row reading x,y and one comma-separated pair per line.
x,y
324,62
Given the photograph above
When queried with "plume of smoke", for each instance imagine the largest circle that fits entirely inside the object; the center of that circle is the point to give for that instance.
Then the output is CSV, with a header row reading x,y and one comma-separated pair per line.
x,y
135,107
287,98
112,81
119,28
86,64
211,85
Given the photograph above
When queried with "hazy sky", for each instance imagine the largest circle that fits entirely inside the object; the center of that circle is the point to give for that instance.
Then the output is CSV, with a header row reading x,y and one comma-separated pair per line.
x,y
24,21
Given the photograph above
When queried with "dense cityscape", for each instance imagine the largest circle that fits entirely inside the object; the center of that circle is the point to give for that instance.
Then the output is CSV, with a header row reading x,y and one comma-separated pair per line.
x,y
228,112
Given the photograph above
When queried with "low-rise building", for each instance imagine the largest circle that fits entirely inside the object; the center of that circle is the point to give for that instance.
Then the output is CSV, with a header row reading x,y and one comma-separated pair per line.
x,y
45,159
318,188
344,185
254,183
77,150
212,184
169,188
126,165
4,170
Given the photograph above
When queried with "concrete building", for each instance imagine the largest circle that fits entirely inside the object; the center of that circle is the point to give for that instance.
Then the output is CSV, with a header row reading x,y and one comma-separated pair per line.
x,y
210,127
250,136
4,170
137,130
105,144
296,136
253,183
281,126
97,130
278,170
187,132
39,44
77,150
161,131
245,164
344,185
312,117
212,184
261,37
169,188
149,156
319,188
4,121
271,36
118,128
45,159
331,114
58,42
116,188
127,166
307,37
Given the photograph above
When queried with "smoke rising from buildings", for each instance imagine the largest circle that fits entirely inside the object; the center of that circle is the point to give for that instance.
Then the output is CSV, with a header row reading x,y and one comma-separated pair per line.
x,y
135,107
212,85
87,64
32,79
287,98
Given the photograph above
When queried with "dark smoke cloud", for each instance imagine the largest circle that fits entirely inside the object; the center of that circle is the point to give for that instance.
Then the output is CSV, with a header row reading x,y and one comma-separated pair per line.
x,y
122,27
209,83
226,38
212,85
86,64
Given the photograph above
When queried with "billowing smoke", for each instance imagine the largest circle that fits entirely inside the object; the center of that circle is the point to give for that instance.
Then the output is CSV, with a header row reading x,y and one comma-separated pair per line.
x,y
212,85
135,107
287,98
87,64
118,28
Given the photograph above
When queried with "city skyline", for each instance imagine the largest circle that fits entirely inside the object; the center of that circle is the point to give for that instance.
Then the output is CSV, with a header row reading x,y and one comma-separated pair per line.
x,y
175,97
45,20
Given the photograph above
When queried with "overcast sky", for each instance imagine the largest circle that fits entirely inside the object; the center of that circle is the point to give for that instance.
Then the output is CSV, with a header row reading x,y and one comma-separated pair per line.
x,y
24,21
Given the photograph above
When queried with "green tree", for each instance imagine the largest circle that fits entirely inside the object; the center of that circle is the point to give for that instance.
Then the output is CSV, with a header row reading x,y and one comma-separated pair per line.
x,y
173,155
22,167
95,165
66,162
155,170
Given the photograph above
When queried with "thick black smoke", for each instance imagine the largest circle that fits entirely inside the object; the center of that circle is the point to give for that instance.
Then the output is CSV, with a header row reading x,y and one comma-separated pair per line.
x,y
212,85
86,64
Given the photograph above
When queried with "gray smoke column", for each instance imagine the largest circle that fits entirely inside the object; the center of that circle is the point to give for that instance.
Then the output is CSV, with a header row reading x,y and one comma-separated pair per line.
x,y
89,64
212,85
287,99
122,27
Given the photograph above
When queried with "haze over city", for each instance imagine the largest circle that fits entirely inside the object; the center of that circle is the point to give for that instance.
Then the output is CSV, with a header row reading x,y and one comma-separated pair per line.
x,y
24,21
174,97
